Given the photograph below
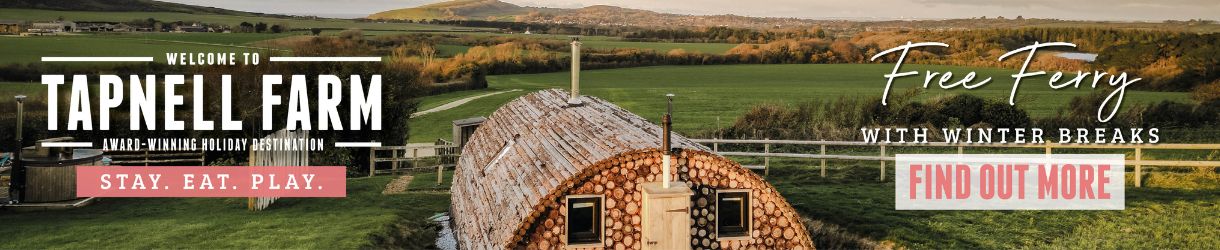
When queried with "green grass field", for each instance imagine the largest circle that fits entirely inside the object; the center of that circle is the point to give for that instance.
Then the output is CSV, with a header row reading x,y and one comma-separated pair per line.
x,y
30,90
296,23
663,47
36,97
724,92
210,38
606,42
522,35
31,49
359,221
449,50
442,99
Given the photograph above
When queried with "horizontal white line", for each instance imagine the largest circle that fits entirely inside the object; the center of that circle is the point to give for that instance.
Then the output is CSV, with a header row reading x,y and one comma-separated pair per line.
x,y
325,59
96,59
357,144
67,144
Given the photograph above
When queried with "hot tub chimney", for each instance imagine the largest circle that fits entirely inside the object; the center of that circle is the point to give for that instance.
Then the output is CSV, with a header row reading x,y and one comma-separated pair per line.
x,y
666,206
574,100
666,124
17,180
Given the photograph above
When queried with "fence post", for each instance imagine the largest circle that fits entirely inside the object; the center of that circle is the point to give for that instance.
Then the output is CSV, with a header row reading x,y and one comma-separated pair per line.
x,y
372,161
440,174
445,157
1139,155
394,161
716,147
882,163
767,159
414,158
452,155
823,160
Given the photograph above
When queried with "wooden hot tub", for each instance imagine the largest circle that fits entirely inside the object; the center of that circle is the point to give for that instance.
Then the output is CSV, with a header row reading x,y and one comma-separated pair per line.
x,y
51,176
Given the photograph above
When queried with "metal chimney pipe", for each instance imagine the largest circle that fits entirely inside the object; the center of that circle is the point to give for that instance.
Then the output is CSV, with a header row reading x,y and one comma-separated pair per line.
x,y
20,117
17,178
667,149
667,123
575,98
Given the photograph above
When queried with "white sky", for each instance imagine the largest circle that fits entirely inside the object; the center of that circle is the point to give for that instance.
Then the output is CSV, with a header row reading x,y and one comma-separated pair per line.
x,y
1152,10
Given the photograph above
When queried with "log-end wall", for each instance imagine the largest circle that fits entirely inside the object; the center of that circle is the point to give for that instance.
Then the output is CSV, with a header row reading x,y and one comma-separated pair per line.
x,y
775,224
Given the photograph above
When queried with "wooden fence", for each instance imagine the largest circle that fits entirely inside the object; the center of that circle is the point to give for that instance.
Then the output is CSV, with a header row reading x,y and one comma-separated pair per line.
x,y
1138,162
278,158
443,154
156,158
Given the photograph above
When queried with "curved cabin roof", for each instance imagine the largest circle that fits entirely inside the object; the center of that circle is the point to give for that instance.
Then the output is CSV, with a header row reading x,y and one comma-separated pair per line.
x,y
530,148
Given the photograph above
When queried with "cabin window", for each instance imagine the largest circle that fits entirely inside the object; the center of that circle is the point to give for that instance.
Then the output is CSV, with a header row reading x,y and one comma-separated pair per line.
x,y
733,213
584,222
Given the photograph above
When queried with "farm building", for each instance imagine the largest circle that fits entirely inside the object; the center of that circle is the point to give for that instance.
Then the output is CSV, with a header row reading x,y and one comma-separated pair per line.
x,y
547,172
192,28
103,26
11,27
53,27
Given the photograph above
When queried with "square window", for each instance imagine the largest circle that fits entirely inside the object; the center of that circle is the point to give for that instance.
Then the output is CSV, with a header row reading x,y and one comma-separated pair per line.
x,y
733,213
584,222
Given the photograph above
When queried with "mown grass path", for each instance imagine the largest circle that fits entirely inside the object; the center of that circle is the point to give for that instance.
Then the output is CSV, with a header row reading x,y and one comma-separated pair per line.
x,y
458,102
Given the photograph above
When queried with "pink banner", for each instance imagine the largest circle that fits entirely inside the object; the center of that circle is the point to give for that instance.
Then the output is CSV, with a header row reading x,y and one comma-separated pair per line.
x,y
211,181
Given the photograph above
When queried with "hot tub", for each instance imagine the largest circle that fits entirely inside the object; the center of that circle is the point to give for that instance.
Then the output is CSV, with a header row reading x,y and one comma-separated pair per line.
x,y
51,176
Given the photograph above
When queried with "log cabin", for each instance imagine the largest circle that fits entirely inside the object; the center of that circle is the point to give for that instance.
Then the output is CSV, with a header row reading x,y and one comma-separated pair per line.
x,y
552,170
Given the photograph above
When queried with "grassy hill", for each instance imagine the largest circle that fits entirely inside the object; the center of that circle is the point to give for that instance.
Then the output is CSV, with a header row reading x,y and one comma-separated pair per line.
x,y
121,5
607,15
458,10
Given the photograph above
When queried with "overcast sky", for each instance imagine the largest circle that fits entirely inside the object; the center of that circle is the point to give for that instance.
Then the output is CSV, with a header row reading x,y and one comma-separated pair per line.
x,y
1155,10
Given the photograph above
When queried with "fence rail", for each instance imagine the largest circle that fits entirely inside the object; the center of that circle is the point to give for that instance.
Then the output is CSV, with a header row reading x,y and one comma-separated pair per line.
x,y
445,152
882,157
146,157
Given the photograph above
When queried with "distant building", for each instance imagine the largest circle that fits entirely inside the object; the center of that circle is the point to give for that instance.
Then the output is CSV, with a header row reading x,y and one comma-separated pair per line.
x,y
53,27
121,28
192,28
96,26
11,27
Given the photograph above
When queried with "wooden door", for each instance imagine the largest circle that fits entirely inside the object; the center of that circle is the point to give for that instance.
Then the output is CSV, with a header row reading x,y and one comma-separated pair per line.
x,y
666,220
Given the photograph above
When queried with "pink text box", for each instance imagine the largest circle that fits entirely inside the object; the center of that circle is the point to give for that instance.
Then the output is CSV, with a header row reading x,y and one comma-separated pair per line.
x,y
211,181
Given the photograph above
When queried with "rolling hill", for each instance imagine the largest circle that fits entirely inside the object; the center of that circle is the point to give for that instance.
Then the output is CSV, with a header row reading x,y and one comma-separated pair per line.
x,y
591,15
605,15
123,6
459,10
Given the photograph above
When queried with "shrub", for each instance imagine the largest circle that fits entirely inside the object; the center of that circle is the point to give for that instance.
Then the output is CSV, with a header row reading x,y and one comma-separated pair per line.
x,y
1168,113
1004,116
1207,93
967,109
